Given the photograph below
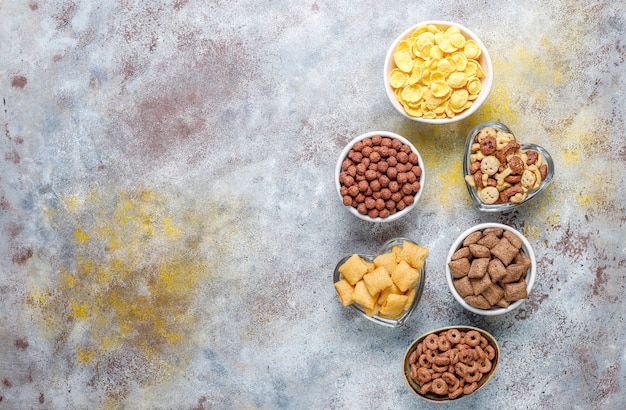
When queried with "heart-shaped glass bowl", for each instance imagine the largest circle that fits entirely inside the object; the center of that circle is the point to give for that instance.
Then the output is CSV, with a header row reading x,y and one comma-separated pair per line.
x,y
508,206
432,397
419,287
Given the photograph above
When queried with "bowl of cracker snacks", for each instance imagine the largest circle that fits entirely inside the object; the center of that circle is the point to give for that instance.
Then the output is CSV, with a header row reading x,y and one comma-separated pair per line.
x,y
379,176
384,288
491,269
450,363
437,72
502,173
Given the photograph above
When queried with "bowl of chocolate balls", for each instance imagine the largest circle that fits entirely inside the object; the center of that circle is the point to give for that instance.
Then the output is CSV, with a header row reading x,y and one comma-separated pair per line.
x,y
379,176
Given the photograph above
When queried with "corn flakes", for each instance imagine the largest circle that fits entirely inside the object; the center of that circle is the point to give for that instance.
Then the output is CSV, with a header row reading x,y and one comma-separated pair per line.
x,y
437,73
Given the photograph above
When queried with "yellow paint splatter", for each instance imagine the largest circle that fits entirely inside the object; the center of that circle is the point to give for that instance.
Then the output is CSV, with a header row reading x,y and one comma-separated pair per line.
x,y
80,235
84,357
132,284
499,105
531,232
170,229
583,198
450,184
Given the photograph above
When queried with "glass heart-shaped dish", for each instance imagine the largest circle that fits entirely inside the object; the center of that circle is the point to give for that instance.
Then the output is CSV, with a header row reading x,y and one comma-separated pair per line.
x,y
419,286
501,205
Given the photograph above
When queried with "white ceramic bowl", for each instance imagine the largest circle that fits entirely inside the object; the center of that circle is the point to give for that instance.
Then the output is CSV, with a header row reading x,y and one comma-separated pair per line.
x,y
530,274
344,154
484,59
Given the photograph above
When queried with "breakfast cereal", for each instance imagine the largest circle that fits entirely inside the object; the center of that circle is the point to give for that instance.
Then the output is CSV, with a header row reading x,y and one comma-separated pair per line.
x,y
490,268
500,171
387,286
451,363
436,73
380,176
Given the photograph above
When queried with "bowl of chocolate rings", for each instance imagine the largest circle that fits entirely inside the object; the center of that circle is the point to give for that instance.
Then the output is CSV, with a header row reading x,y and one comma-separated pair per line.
x,y
450,363
379,176
437,72
491,269
502,173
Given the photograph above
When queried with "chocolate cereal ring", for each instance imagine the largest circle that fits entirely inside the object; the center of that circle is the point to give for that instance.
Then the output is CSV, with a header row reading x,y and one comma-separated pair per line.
x,y
462,346
471,366
465,356
453,394
440,369
425,388
443,343
414,369
422,361
431,355
491,352
423,375
461,369
484,365
473,375
439,386
479,353
430,342
453,354
472,338
414,356
442,360
419,349
452,380
469,388
483,342
454,336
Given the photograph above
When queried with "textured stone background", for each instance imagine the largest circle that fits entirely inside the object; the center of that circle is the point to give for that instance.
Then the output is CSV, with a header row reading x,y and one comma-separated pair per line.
x,y
169,224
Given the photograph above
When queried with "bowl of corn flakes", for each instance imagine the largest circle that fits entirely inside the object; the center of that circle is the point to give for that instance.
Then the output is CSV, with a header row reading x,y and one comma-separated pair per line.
x,y
491,269
437,72
502,173
386,287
